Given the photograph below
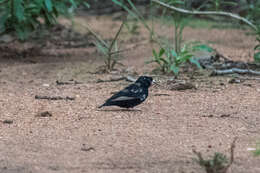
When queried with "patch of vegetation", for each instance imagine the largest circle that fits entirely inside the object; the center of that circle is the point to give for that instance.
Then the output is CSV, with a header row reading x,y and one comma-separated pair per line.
x,y
168,58
249,14
218,163
21,17
110,51
170,61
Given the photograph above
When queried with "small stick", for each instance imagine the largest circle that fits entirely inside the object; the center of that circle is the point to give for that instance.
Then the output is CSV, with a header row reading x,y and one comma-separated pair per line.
x,y
54,98
68,83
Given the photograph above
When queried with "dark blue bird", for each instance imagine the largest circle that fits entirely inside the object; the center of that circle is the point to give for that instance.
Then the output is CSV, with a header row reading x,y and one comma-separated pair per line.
x,y
132,95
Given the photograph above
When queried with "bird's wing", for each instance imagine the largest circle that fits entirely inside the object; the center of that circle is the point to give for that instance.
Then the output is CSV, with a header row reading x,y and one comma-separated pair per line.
x,y
123,98
129,93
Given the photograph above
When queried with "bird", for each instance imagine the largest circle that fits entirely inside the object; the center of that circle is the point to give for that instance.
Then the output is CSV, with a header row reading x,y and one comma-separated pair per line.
x,y
132,95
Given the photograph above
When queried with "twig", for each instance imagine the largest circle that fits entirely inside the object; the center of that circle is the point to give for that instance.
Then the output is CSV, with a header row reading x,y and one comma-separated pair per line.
x,y
127,78
207,13
234,70
87,149
161,94
68,83
54,98
232,148
111,80
247,78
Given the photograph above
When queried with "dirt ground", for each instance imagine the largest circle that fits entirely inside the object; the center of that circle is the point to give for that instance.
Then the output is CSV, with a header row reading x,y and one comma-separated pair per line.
x,y
159,138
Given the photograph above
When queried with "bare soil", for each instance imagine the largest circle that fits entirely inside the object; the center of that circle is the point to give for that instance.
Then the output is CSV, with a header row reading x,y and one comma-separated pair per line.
x,y
75,137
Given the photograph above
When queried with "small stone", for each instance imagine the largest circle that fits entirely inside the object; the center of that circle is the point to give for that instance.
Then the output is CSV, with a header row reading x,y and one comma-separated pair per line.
x,y
44,114
233,80
46,85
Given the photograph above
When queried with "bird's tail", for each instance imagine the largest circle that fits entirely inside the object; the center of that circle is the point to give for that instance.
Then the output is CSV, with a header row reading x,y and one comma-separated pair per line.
x,y
101,106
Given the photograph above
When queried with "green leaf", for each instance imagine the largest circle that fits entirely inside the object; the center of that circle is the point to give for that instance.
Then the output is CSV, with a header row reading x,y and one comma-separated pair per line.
x,y
18,10
196,62
174,54
101,48
60,8
126,8
73,3
257,152
185,58
163,60
257,57
155,54
20,31
49,19
48,4
86,4
174,69
203,47
257,47
161,52
3,19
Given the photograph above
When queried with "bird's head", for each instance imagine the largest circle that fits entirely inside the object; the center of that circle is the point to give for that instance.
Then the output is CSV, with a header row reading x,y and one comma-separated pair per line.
x,y
145,81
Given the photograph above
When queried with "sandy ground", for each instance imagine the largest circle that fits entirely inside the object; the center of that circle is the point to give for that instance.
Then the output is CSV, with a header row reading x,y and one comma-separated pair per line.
x,y
158,138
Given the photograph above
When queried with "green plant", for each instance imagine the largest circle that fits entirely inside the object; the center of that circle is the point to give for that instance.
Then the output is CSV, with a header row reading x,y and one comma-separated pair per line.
x,y
180,21
218,163
251,8
257,47
22,17
257,151
132,25
170,61
215,165
110,51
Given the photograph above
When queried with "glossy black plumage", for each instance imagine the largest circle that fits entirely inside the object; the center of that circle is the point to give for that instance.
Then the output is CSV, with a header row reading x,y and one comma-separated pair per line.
x,y
132,95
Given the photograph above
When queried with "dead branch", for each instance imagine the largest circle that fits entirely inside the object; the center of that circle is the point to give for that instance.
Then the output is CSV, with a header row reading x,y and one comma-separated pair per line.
x,y
247,78
234,70
111,80
206,13
54,98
